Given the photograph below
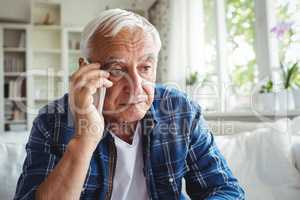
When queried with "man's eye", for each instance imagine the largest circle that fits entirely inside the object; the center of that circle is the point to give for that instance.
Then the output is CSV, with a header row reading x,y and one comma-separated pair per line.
x,y
146,68
117,72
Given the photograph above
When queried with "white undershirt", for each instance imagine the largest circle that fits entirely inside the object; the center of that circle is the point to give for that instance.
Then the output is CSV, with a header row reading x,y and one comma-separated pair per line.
x,y
129,179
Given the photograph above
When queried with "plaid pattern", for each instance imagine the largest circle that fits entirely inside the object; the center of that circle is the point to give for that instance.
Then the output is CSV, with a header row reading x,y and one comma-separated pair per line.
x,y
177,144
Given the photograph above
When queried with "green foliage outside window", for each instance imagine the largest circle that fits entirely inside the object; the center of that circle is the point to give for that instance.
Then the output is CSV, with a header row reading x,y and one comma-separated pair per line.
x,y
240,24
240,19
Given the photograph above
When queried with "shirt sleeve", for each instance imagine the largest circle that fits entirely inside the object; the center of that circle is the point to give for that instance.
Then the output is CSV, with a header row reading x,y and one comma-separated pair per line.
x,y
38,163
209,176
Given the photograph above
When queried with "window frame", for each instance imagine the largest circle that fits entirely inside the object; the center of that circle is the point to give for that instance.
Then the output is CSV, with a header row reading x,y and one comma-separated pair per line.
x,y
266,46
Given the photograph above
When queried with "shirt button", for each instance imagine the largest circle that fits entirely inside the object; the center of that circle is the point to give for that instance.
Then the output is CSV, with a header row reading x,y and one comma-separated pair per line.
x,y
171,180
82,189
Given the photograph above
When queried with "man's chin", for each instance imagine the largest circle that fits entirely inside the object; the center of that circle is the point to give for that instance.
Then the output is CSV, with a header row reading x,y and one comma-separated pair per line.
x,y
130,113
132,117
133,113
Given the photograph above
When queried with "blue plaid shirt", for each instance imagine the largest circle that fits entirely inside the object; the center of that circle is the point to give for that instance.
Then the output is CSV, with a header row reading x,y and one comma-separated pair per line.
x,y
176,144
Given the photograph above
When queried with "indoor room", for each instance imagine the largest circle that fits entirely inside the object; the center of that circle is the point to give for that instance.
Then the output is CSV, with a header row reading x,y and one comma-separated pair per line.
x,y
150,99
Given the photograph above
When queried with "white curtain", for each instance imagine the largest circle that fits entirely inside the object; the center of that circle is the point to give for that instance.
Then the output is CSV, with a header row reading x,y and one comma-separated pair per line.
x,y
180,23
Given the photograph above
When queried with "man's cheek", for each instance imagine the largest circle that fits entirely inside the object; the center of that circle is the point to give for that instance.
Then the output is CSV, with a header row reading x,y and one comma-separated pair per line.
x,y
112,92
149,91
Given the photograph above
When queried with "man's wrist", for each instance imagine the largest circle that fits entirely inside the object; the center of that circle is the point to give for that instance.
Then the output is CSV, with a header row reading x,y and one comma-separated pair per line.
x,y
81,147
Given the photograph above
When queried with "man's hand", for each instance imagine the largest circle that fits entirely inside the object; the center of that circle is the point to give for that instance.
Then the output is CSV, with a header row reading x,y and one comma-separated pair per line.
x,y
84,84
67,178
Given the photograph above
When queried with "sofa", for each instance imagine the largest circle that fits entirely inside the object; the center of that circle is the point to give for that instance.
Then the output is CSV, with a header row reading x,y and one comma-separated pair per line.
x,y
265,157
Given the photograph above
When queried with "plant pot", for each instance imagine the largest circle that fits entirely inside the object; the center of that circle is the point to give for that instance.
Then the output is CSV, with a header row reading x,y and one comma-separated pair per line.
x,y
285,100
189,90
296,94
266,102
205,96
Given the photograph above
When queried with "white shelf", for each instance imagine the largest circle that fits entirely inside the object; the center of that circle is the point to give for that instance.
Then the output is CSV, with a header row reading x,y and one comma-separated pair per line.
x,y
44,73
49,51
16,121
47,27
47,13
15,99
21,132
14,74
44,51
13,59
14,49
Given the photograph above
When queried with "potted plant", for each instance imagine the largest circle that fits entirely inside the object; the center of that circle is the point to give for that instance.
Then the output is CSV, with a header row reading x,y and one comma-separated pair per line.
x,y
285,96
202,90
296,88
267,100
192,79
285,31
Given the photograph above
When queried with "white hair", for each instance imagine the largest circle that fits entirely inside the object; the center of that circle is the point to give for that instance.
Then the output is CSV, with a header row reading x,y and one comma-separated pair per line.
x,y
110,22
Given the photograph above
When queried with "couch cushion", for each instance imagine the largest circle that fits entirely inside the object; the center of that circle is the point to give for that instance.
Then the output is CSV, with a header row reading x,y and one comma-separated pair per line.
x,y
261,160
296,151
12,155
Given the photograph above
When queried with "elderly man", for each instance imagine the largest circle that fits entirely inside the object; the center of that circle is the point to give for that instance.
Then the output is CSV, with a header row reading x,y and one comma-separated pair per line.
x,y
144,142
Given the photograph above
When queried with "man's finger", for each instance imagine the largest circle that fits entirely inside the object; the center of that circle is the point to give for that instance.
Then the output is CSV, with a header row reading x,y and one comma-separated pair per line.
x,y
85,69
91,86
81,62
93,74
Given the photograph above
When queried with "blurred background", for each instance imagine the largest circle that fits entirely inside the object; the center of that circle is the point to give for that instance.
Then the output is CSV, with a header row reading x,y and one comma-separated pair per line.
x,y
239,59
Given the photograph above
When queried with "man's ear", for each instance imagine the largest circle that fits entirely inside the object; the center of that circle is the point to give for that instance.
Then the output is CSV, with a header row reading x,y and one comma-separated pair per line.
x,y
87,60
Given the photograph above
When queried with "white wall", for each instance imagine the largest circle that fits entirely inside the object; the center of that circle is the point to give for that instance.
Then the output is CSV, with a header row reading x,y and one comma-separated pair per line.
x,y
78,12
15,10
74,12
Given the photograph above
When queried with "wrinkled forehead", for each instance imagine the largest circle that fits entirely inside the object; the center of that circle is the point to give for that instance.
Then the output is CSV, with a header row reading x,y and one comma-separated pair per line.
x,y
128,42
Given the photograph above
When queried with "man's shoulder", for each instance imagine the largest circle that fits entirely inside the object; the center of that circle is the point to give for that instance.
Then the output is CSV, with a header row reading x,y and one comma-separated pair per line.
x,y
54,112
170,102
164,91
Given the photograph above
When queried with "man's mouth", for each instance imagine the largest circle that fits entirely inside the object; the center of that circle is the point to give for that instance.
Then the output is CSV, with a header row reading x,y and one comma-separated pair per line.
x,y
131,103
138,100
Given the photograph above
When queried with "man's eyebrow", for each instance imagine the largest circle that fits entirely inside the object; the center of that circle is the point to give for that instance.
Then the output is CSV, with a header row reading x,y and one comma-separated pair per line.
x,y
149,56
106,64
112,60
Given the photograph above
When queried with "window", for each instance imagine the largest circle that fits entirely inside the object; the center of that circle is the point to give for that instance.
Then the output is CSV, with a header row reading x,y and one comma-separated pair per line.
x,y
241,54
240,68
209,38
208,87
247,45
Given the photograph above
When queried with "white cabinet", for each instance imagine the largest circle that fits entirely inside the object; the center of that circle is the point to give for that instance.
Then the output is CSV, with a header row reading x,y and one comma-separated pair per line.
x,y
13,77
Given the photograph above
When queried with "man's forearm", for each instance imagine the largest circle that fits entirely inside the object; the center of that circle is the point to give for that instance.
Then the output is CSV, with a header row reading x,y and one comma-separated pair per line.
x,y
67,178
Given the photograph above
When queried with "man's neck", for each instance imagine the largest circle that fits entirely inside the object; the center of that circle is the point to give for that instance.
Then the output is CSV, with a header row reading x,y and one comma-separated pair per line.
x,y
125,130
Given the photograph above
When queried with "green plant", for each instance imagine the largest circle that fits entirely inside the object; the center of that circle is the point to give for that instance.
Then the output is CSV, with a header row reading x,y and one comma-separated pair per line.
x,y
267,87
296,80
290,75
192,78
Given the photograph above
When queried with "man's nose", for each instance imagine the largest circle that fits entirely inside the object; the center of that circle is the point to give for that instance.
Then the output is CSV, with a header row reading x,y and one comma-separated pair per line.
x,y
135,84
